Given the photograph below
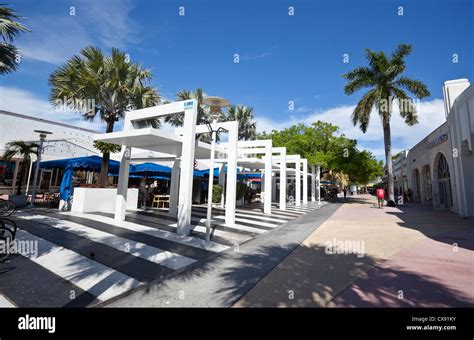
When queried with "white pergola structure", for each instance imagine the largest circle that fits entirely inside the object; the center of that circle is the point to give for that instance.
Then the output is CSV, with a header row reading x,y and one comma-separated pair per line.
x,y
304,174
181,148
315,184
257,147
292,159
273,160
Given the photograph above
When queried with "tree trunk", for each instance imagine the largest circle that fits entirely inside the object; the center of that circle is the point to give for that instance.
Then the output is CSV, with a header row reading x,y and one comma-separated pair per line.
x,y
104,171
22,174
388,159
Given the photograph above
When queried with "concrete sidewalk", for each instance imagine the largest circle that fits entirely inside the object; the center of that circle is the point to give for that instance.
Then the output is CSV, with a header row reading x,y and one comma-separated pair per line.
x,y
221,280
411,256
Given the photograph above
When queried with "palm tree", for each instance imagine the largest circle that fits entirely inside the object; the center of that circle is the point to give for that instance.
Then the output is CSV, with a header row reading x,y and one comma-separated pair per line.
x,y
24,150
247,125
9,28
203,115
95,84
383,76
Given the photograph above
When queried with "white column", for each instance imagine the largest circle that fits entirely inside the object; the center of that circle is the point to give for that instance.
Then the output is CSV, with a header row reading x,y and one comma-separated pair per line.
x,y
231,190
267,203
298,183
305,181
222,183
174,188
15,174
318,185
313,183
283,183
29,176
274,187
187,169
122,186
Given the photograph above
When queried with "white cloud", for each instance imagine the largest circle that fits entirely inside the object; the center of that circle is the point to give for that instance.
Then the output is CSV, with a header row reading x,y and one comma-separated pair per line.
x,y
95,22
255,56
23,102
430,113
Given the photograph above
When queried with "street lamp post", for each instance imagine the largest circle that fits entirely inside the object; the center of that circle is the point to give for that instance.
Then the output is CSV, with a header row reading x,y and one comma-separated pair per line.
x,y
43,135
215,104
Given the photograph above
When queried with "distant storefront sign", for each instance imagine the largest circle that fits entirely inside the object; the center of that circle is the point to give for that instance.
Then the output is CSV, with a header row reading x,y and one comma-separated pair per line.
x,y
437,141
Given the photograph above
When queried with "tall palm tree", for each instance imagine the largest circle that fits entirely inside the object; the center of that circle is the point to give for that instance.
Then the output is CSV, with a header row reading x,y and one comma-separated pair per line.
x,y
21,149
9,28
385,81
104,86
203,115
247,125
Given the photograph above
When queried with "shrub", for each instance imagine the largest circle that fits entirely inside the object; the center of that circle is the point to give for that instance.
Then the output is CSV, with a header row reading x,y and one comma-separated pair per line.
x,y
216,193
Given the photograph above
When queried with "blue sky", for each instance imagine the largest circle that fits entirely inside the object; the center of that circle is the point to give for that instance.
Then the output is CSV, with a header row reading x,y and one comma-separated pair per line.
x,y
282,58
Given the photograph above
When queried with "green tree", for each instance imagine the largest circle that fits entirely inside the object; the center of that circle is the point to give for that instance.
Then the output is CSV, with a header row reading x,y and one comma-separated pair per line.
x,y
203,114
364,167
319,143
24,150
104,86
9,29
385,81
247,125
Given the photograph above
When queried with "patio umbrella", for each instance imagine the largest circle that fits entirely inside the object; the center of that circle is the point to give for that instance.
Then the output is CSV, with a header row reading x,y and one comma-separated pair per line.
x,y
66,189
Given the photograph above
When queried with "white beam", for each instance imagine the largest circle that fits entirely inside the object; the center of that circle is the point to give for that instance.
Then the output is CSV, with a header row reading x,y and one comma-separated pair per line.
x,y
305,180
283,181
187,168
318,184
231,189
298,183
122,186
313,183
222,183
174,188
267,202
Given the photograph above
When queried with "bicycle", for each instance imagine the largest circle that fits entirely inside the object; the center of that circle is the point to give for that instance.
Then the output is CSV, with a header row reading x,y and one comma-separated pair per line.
x,y
7,207
8,229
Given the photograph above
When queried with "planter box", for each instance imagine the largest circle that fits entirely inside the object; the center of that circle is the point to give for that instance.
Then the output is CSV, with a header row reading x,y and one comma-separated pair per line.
x,y
19,200
100,199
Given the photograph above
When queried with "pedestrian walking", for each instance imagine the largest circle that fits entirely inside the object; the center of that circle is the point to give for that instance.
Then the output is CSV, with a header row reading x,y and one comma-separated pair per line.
x,y
345,192
380,193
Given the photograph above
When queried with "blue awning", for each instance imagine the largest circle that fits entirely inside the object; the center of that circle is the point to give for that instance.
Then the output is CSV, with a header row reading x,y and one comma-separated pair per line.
x,y
150,169
81,163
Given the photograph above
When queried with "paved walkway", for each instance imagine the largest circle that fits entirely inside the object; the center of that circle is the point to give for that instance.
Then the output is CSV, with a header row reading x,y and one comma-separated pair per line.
x,y
364,256
72,259
222,280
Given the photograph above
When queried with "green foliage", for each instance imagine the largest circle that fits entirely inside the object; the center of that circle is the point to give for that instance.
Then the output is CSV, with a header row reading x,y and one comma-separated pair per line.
x,y
243,114
18,148
107,147
242,190
216,193
102,85
364,167
384,80
9,29
322,145
21,149
247,125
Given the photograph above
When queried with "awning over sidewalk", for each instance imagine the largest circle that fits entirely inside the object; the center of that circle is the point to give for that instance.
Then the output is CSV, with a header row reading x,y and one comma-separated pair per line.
x,y
80,163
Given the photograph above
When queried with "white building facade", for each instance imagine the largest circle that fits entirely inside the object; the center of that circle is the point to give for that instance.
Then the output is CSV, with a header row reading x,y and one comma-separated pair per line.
x,y
441,166
69,141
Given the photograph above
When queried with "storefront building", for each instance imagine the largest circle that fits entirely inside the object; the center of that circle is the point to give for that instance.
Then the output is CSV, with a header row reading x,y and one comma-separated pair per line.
x,y
66,141
441,166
